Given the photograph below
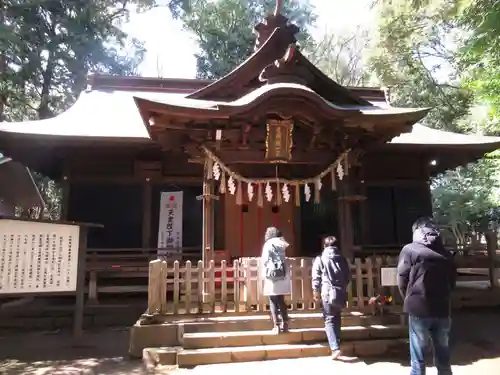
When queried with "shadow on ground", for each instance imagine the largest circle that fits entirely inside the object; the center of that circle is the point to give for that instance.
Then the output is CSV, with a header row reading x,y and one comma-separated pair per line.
x,y
475,337
54,353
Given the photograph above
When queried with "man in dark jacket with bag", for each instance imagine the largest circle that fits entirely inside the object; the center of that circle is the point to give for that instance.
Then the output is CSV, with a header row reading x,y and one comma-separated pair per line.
x,y
426,277
331,275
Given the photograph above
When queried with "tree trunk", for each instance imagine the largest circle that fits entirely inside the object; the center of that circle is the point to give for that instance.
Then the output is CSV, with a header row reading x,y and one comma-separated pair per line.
x,y
3,70
491,248
43,109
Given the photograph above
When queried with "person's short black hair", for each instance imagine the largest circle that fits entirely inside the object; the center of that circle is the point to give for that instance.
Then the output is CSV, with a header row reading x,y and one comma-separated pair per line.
x,y
423,222
272,232
329,241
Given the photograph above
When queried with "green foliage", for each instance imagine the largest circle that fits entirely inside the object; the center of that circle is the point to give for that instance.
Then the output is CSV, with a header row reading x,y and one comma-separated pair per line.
x,y
224,30
467,198
414,56
480,54
420,54
52,195
47,50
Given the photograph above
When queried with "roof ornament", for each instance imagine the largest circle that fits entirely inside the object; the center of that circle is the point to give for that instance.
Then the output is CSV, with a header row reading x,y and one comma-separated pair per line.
x,y
286,69
278,8
273,21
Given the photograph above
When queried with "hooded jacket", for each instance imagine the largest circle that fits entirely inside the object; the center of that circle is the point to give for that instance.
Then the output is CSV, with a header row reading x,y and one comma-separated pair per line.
x,y
331,275
275,287
426,275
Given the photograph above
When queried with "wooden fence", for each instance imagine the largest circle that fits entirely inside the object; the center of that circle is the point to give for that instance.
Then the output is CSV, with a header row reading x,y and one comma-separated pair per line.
x,y
187,288
107,268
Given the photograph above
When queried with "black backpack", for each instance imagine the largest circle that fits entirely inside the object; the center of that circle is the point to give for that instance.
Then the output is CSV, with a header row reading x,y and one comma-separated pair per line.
x,y
275,266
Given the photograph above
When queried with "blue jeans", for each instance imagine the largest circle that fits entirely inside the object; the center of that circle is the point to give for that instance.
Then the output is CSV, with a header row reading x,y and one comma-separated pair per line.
x,y
438,331
333,321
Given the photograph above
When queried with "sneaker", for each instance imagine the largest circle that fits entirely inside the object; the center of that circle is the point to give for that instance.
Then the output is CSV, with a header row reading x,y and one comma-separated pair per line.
x,y
285,327
336,354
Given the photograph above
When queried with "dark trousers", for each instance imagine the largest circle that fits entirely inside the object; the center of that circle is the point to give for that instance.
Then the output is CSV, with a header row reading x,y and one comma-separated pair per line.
x,y
438,331
333,323
278,307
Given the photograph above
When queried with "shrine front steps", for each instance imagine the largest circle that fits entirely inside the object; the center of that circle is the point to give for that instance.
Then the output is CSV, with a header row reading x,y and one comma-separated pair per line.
x,y
208,340
169,332
222,339
185,358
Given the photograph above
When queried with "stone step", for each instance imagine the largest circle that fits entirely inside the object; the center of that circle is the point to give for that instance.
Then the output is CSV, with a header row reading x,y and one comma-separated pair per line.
x,y
194,357
171,332
262,322
202,340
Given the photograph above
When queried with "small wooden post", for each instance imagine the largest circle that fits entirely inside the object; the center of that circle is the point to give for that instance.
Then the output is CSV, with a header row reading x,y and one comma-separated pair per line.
x,y
491,248
154,281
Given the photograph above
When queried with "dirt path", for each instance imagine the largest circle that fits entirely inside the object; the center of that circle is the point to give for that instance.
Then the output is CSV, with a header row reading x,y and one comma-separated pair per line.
x,y
476,340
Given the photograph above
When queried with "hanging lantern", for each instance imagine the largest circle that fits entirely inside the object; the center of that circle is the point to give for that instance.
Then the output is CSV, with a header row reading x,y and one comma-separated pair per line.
x,y
279,141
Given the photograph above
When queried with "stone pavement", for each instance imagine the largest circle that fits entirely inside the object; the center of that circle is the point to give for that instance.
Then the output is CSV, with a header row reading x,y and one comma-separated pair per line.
x,y
476,340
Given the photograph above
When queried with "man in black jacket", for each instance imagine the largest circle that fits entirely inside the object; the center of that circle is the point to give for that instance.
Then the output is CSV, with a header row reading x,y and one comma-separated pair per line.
x,y
426,277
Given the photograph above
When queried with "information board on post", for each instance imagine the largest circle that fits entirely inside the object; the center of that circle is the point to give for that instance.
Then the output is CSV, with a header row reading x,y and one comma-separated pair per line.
x,y
389,276
38,258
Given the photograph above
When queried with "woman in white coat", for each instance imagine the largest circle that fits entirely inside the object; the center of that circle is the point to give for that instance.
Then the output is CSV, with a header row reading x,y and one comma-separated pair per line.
x,y
276,275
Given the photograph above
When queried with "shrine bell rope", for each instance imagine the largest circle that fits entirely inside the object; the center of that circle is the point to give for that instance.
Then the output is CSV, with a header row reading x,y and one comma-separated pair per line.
x,y
234,182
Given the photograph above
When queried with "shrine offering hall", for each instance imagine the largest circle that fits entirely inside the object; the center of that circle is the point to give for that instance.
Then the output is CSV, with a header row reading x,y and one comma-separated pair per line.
x,y
203,167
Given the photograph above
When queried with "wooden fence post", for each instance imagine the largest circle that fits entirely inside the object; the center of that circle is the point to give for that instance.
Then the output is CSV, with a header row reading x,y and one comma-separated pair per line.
x,y
157,296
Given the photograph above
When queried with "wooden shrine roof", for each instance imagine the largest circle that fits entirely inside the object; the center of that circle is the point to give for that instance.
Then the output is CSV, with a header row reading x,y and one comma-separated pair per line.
x,y
423,135
285,91
104,114
276,79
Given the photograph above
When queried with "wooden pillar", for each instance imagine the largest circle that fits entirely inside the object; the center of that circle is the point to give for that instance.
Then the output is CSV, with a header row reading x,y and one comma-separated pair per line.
x,y
208,226
365,221
65,191
491,248
146,213
78,317
65,199
345,220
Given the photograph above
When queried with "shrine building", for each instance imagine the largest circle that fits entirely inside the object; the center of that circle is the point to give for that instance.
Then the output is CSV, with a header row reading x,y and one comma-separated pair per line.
x,y
208,165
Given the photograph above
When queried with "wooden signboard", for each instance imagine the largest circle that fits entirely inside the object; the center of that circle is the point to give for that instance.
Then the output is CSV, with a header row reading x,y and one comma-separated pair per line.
x,y
279,141
38,257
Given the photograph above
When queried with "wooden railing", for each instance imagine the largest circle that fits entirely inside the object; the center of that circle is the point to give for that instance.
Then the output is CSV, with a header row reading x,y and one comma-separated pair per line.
x,y
107,267
192,288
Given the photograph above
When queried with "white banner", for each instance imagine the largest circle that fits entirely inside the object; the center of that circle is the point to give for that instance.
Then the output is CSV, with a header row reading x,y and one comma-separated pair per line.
x,y
170,223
